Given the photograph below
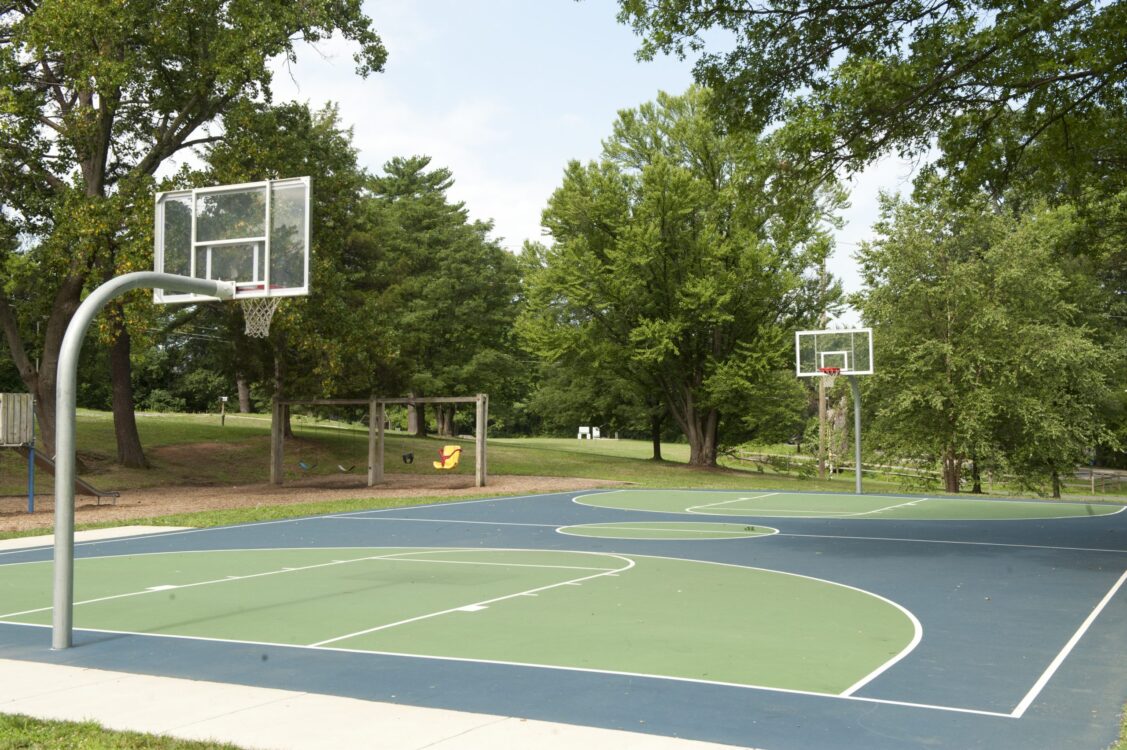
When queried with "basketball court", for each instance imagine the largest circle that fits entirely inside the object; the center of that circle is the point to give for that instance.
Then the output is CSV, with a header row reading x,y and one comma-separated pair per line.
x,y
777,620
768,619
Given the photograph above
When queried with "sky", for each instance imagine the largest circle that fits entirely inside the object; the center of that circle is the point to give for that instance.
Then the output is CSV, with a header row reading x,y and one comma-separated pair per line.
x,y
504,93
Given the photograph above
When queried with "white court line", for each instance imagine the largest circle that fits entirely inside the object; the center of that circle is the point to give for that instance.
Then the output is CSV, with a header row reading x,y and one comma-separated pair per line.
x,y
483,604
888,507
721,535
226,579
496,564
831,514
396,556
951,541
1043,680
693,508
615,527
441,520
916,638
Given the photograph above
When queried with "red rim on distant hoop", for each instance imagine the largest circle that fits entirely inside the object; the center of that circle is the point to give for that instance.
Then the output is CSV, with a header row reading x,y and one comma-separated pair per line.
x,y
830,370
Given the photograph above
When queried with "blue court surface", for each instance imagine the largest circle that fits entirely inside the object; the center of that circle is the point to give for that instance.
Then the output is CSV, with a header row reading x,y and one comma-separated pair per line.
x,y
770,620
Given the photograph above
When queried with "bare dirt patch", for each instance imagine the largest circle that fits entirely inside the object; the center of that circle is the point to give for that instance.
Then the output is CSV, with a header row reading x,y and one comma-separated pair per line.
x,y
139,504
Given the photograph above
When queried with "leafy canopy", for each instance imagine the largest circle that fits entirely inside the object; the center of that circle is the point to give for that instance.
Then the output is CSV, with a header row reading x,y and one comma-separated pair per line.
x,y
984,349
985,80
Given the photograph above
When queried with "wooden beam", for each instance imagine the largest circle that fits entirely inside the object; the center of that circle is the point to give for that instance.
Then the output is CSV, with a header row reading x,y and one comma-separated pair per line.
x,y
432,400
366,402
327,402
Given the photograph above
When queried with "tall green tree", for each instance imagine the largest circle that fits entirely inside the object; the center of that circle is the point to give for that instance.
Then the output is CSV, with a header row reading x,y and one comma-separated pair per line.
x,y
985,358
96,97
447,291
685,250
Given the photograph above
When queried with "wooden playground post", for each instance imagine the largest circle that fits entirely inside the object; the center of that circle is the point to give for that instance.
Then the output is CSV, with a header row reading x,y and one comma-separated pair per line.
x,y
480,422
375,441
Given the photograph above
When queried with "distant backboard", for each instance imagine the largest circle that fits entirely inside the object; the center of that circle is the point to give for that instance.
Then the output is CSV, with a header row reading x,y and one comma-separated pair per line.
x,y
849,350
255,234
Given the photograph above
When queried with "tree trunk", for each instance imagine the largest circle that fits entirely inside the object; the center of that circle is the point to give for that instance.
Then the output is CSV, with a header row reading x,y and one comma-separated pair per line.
x,y
952,468
416,420
444,419
1056,485
39,377
129,451
702,448
700,428
976,477
243,388
655,435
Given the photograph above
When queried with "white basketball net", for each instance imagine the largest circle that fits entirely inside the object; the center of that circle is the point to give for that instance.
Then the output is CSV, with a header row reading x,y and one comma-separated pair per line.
x,y
258,312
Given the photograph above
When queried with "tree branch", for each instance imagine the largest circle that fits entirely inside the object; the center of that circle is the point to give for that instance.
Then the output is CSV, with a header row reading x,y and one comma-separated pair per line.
x,y
15,342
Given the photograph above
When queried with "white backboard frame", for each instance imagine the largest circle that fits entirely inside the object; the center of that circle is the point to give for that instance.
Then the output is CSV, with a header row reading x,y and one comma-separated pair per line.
x,y
851,349
202,253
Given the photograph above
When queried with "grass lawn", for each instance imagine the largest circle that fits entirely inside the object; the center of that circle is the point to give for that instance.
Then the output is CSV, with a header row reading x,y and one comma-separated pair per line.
x,y
244,449
19,732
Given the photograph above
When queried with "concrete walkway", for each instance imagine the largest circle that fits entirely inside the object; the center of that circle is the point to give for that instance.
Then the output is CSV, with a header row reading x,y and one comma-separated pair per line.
x,y
283,720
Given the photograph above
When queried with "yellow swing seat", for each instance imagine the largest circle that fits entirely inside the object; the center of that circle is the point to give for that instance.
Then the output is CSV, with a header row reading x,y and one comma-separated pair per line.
x,y
448,457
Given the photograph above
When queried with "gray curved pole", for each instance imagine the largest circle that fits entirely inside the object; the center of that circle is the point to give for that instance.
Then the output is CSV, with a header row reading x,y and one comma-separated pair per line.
x,y
856,388
66,380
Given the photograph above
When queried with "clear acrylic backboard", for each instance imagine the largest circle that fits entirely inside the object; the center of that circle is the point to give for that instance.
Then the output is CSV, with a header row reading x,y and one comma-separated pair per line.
x,y
255,234
848,350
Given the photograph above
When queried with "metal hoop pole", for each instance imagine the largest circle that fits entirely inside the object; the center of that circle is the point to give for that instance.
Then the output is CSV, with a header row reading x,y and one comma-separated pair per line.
x,y
66,387
856,388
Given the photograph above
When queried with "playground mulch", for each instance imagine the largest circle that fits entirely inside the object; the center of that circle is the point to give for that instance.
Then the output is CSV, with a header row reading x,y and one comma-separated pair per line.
x,y
150,502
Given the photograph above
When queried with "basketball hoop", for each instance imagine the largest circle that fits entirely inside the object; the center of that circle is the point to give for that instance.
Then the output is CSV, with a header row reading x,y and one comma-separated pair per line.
x,y
254,235
258,312
829,374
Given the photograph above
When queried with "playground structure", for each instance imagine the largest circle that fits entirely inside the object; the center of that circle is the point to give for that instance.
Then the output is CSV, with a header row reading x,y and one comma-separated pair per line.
x,y
17,432
377,408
